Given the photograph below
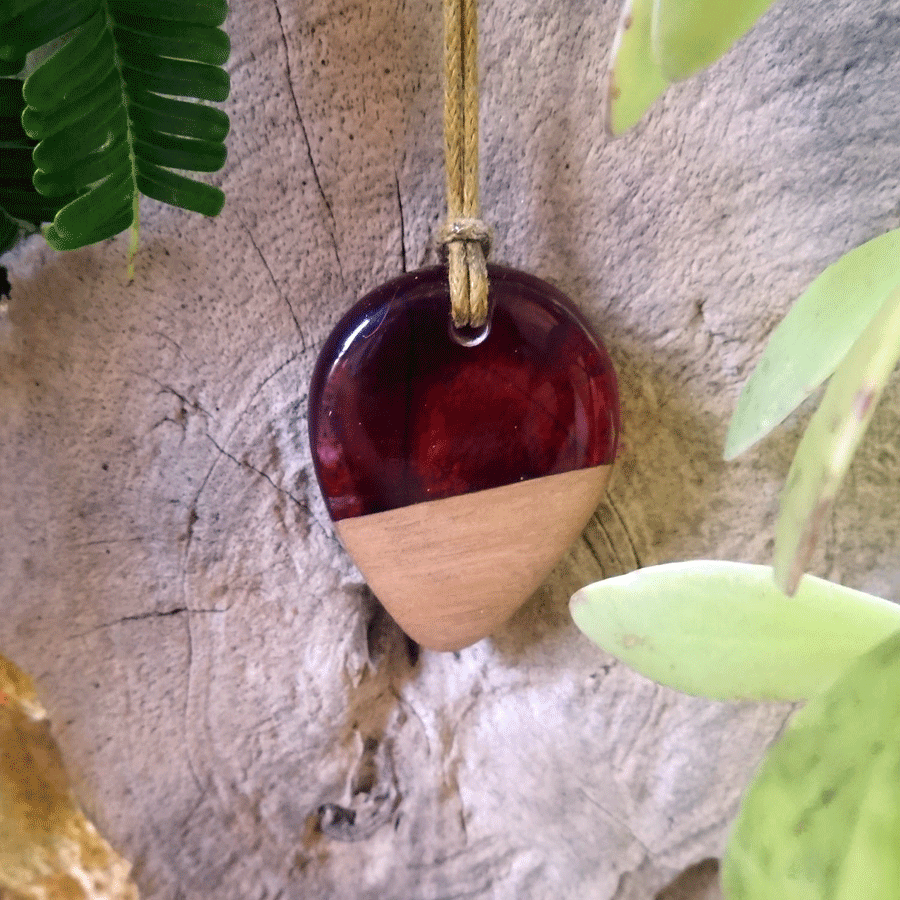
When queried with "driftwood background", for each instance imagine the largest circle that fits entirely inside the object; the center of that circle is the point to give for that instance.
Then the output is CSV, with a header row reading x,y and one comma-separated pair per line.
x,y
238,715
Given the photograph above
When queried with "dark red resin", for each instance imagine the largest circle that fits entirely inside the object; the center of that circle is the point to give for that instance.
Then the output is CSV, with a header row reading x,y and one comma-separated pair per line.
x,y
400,412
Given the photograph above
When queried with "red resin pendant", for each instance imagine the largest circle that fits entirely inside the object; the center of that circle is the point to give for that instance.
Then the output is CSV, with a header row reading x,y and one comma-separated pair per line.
x,y
458,475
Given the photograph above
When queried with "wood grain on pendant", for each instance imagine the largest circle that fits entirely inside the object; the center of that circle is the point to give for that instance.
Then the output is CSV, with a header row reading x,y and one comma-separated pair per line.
x,y
457,475
452,571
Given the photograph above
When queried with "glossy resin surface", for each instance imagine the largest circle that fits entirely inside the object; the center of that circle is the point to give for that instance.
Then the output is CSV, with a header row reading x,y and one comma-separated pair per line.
x,y
401,413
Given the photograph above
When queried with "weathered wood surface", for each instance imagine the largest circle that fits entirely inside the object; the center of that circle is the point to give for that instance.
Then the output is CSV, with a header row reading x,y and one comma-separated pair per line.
x,y
220,680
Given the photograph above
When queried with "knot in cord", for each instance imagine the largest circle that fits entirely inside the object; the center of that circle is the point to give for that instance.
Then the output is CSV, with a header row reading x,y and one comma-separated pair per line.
x,y
465,230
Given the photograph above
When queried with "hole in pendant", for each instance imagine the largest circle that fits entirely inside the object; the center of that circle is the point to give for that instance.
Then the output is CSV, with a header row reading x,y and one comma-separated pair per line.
x,y
468,336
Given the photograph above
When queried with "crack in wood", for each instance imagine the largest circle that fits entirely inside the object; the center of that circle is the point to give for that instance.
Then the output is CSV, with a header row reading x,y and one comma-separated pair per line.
x,y
244,464
402,224
629,538
309,153
593,551
275,284
153,614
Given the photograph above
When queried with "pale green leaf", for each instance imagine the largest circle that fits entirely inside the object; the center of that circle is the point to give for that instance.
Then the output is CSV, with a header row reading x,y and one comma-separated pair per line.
x,y
634,79
822,819
831,438
689,35
814,337
723,630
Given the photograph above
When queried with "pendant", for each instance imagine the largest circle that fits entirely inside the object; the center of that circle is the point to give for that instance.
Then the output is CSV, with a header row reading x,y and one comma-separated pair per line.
x,y
459,468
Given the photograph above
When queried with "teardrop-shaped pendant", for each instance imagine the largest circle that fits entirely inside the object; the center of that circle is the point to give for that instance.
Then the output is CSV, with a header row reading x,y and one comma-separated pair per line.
x,y
456,475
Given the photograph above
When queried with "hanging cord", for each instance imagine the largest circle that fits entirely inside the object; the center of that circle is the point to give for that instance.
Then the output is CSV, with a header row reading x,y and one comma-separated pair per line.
x,y
466,237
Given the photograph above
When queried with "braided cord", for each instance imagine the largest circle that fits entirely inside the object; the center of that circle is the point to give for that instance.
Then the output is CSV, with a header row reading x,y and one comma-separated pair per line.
x,y
465,235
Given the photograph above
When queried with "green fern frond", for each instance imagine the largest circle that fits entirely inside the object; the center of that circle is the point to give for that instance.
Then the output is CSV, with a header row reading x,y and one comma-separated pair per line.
x,y
20,202
105,111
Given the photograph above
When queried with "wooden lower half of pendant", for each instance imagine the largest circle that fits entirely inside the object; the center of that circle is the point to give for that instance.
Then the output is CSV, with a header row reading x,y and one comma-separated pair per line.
x,y
451,571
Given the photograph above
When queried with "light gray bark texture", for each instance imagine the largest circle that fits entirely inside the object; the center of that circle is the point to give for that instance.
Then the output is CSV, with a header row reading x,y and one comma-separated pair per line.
x,y
239,716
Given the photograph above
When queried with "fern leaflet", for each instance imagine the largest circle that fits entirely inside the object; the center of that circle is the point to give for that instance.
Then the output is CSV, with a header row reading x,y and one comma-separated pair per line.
x,y
19,200
105,111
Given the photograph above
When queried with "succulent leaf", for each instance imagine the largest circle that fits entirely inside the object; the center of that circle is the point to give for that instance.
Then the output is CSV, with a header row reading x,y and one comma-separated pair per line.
x,y
723,630
821,821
